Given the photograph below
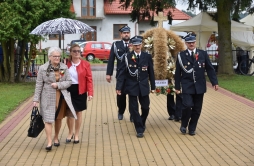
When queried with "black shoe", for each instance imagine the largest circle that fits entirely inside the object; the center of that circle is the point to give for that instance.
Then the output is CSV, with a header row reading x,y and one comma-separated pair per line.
x,y
192,133
120,116
172,117
140,135
183,130
48,148
69,140
177,119
131,119
57,144
76,141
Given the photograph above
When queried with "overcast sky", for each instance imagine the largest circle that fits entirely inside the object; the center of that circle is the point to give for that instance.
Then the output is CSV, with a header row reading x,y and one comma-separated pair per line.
x,y
183,6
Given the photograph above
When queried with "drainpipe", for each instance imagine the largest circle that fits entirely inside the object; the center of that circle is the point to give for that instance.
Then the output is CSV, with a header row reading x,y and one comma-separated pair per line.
x,y
136,28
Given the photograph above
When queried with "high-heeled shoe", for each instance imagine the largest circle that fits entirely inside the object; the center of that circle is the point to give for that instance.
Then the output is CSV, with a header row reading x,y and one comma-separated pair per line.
x,y
57,144
49,148
69,140
76,141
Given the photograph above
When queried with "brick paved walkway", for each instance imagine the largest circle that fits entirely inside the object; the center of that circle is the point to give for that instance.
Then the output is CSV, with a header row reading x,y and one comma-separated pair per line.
x,y
225,135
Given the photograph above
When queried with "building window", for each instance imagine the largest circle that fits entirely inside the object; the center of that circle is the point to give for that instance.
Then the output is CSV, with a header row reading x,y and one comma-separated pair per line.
x,y
88,8
91,36
116,32
55,37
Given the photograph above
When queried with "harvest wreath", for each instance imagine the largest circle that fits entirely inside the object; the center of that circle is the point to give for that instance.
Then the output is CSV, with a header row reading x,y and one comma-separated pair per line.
x,y
163,45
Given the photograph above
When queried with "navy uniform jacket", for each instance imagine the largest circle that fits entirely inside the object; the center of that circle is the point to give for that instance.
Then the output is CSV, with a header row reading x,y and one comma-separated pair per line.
x,y
121,49
194,82
139,83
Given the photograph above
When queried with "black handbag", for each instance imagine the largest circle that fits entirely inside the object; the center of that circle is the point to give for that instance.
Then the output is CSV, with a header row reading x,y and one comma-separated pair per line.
x,y
36,124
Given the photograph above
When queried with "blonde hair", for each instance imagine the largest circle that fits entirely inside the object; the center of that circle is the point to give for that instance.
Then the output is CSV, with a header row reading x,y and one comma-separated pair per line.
x,y
73,46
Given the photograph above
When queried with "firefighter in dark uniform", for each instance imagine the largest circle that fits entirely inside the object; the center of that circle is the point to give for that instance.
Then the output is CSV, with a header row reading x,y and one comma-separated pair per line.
x,y
118,50
138,72
190,80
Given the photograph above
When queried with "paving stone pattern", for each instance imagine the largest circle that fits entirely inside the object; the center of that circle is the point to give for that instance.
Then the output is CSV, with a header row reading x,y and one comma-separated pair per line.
x,y
224,136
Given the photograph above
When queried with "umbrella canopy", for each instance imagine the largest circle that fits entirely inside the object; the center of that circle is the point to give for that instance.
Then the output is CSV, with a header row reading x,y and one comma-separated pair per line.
x,y
62,26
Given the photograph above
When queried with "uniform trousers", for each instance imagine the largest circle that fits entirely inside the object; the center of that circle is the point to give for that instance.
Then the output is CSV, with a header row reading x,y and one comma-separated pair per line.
x,y
121,102
171,107
174,108
192,106
139,120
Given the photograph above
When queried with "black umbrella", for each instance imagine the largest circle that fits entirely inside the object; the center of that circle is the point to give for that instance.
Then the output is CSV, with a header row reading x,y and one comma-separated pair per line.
x,y
62,26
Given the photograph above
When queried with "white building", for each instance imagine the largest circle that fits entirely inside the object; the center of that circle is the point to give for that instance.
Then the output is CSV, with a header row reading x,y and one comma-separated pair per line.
x,y
106,19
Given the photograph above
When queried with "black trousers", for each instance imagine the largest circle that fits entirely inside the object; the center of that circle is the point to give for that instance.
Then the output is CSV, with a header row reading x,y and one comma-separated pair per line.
x,y
171,107
139,120
178,113
192,106
121,103
174,108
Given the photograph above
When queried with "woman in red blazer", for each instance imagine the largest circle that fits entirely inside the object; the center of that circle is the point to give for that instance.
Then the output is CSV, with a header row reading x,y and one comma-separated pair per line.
x,y
81,90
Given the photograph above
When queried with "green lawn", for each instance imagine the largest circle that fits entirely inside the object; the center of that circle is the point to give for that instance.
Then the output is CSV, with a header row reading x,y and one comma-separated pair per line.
x,y
238,84
11,95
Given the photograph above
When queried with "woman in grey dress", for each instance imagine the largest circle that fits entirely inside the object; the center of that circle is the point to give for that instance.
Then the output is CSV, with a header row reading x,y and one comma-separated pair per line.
x,y
55,102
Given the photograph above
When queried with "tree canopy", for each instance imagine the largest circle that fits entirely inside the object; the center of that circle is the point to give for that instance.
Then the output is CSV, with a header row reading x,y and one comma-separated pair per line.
x,y
226,10
142,9
18,19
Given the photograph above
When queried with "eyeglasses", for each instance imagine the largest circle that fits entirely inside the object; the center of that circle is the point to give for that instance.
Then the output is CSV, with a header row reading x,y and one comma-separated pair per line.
x,y
76,51
190,42
55,57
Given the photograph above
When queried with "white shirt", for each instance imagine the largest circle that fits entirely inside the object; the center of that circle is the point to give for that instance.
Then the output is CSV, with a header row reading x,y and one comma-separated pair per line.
x,y
138,54
194,51
74,73
124,43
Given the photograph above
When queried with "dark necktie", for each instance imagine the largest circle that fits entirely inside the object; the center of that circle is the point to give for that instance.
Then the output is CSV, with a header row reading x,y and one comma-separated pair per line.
x,y
126,46
137,58
192,55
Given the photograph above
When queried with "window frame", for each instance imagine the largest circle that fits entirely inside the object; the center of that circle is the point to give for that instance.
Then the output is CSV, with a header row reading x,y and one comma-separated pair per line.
x,y
88,7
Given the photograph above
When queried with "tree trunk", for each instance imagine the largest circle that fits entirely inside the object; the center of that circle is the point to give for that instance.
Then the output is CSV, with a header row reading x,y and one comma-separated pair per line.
x,y
12,60
224,32
6,63
1,68
21,61
28,64
1,72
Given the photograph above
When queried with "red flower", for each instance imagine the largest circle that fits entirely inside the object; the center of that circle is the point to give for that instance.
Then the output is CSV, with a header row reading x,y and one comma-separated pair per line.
x,y
168,90
196,56
62,73
133,58
158,90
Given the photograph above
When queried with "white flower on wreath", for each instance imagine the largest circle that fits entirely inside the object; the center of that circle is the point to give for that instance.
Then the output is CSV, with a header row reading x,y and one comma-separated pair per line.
x,y
148,42
171,43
